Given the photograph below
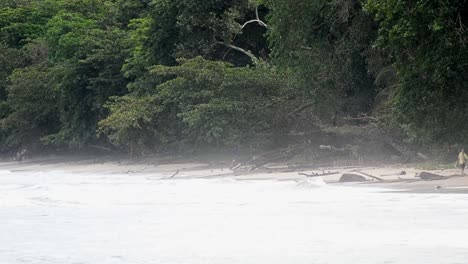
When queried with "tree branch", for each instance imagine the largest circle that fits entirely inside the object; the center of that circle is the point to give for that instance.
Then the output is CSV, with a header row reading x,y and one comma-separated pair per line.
x,y
319,175
173,175
300,109
363,117
257,19
246,52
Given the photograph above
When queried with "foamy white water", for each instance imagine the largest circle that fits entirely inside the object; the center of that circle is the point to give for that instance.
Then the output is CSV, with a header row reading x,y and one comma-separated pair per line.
x,y
56,217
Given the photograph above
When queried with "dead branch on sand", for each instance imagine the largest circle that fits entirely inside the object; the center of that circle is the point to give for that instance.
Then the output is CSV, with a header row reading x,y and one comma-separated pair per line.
x,y
427,176
368,175
173,175
394,174
319,174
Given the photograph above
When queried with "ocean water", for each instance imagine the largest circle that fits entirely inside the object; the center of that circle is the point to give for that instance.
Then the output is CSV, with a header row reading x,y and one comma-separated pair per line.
x,y
57,217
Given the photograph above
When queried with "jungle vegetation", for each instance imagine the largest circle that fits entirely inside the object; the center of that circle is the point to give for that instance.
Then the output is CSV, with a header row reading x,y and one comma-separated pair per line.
x,y
147,76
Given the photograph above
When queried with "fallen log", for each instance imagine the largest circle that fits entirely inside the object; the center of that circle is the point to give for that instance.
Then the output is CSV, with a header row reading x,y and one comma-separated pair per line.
x,y
427,176
318,174
173,175
394,174
348,177
368,175
233,168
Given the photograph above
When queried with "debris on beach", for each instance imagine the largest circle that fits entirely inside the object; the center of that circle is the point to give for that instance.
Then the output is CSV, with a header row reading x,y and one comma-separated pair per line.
x,y
348,177
319,174
427,176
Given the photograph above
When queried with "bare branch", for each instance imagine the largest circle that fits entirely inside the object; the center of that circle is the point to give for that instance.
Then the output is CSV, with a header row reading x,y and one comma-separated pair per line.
x,y
363,117
368,175
300,109
319,175
246,52
173,175
257,19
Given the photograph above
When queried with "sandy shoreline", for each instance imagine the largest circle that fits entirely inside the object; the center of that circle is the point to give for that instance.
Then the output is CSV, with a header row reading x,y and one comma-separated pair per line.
x,y
188,169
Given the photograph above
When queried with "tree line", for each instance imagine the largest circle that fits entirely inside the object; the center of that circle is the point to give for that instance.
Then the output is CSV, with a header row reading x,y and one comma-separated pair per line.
x,y
144,76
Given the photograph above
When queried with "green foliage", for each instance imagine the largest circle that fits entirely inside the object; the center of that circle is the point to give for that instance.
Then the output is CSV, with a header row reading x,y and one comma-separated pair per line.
x,y
10,59
188,74
190,28
22,23
203,103
131,123
427,42
32,99
86,85
89,51
66,34
325,43
84,46
127,10
136,65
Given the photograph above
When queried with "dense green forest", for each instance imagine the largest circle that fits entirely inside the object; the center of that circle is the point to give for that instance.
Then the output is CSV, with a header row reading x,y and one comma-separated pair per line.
x,y
146,76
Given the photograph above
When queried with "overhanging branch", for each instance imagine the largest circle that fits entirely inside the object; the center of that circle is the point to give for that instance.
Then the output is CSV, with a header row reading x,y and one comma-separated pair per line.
x,y
246,52
257,20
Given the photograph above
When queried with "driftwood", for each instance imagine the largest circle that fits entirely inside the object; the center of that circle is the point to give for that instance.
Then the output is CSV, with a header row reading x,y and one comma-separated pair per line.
x,y
410,180
233,168
318,174
368,175
173,175
427,176
348,177
394,174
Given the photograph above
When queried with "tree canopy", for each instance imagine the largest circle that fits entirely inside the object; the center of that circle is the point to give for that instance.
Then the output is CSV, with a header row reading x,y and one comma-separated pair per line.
x,y
144,76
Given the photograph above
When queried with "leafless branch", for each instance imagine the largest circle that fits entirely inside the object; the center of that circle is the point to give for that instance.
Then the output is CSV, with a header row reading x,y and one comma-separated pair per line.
x,y
300,109
173,175
257,19
362,117
319,175
246,52
368,175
